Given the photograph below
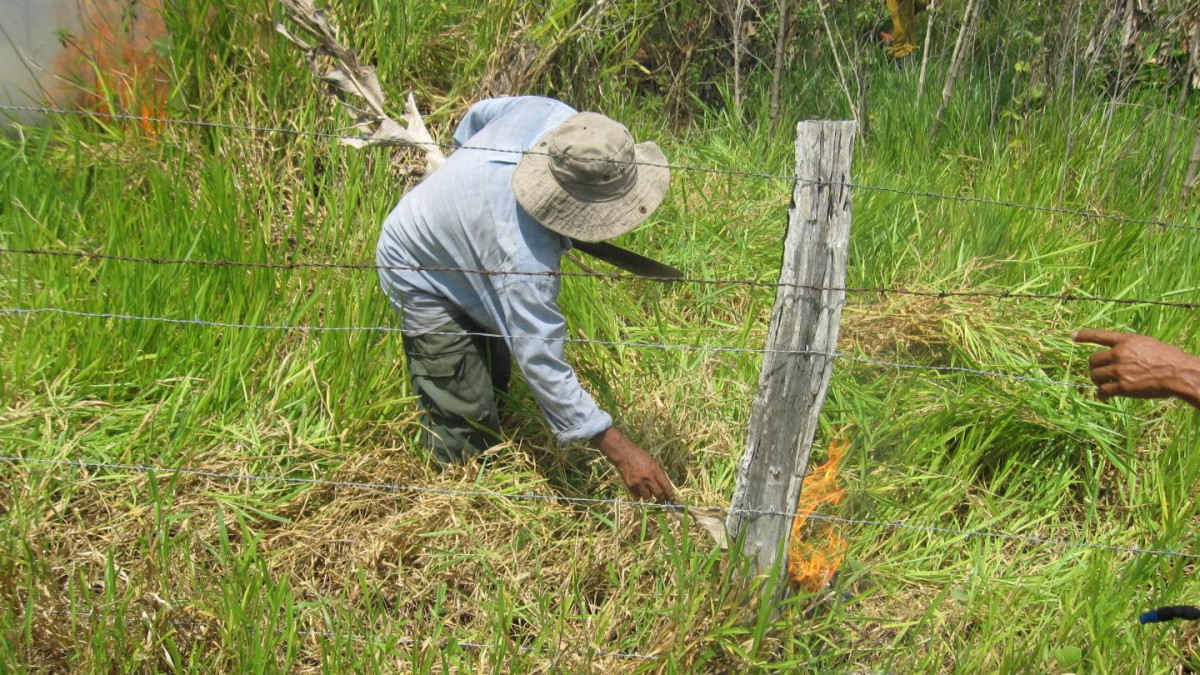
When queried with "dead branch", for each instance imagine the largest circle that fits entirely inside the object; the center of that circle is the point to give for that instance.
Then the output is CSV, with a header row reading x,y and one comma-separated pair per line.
x,y
355,86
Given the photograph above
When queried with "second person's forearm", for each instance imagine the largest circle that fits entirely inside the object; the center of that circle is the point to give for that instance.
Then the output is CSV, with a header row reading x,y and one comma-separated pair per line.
x,y
1187,381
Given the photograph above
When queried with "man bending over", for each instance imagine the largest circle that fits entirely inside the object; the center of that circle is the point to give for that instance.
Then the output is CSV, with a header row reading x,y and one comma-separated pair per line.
x,y
490,207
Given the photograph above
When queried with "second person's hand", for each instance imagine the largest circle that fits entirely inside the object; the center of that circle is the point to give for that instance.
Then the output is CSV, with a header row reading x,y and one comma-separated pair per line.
x,y
1137,366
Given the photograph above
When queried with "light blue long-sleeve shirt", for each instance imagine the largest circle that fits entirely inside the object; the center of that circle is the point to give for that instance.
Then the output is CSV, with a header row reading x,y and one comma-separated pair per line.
x,y
464,215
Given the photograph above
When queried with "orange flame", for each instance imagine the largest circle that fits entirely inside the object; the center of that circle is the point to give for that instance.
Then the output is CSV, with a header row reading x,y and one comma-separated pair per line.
x,y
813,561
112,64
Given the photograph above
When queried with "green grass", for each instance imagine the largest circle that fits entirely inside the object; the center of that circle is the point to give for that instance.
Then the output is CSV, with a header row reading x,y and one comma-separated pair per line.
x,y
105,570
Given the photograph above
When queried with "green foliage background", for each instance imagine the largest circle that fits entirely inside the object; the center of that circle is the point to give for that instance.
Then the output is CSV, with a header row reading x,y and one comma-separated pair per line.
x,y
109,570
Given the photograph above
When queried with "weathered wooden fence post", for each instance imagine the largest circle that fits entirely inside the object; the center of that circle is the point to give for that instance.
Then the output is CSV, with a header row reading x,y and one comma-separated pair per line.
x,y
803,335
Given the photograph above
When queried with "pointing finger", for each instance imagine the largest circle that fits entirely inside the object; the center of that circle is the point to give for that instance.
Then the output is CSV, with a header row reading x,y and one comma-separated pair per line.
x,y
1095,336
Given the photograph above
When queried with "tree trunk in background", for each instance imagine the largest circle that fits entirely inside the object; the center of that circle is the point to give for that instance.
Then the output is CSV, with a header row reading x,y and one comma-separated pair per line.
x,y
1099,37
925,50
781,34
966,37
734,11
1184,87
737,57
1189,181
1129,33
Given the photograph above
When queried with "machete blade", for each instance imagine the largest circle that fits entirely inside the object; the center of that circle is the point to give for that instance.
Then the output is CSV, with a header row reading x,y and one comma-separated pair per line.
x,y
627,260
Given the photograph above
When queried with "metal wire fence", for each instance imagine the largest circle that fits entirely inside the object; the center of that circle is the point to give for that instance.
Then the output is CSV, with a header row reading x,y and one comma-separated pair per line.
x,y
1065,296
1003,294
27,311
440,644
593,501
13,460
791,178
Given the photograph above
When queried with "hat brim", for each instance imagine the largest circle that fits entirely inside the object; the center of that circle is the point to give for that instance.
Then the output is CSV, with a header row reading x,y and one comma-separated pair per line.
x,y
558,210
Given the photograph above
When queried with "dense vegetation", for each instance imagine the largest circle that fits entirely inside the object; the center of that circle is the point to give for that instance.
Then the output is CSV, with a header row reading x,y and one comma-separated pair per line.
x,y
1073,105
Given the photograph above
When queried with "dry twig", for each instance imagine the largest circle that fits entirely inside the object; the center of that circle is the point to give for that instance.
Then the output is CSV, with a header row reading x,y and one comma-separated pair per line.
x,y
355,86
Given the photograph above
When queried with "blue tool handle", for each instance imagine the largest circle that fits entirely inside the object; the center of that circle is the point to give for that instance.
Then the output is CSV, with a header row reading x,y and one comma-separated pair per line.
x,y
1185,612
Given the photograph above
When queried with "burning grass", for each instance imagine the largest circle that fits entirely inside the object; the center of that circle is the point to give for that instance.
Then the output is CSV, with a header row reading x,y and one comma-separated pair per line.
x,y
816,548
116,61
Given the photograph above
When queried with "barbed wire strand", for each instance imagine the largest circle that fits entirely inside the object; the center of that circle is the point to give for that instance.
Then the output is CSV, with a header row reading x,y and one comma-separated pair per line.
x,y
26,311
361,637
1066,297
757,283
1081,213
564,499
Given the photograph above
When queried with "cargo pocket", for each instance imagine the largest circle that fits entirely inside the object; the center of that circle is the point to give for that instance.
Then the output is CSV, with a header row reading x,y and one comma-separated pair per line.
x,y
436,366
450,376
444,382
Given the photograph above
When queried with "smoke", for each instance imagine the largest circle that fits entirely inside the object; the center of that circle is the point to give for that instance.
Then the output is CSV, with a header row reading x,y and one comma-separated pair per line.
x,y
103,55
28,44
113,65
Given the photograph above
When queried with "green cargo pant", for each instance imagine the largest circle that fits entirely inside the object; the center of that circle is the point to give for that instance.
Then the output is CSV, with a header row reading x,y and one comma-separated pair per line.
x,y
457,378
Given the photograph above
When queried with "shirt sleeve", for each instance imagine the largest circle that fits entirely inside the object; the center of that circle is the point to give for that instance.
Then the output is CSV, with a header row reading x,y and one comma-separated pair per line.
x,y
537,330
479,115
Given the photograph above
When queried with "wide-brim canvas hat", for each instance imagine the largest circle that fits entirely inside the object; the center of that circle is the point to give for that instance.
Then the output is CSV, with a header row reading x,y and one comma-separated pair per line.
x,y
586,179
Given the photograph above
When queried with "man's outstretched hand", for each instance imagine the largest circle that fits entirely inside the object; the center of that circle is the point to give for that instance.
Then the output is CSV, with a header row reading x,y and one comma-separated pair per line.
x,y
642,475
1141,367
